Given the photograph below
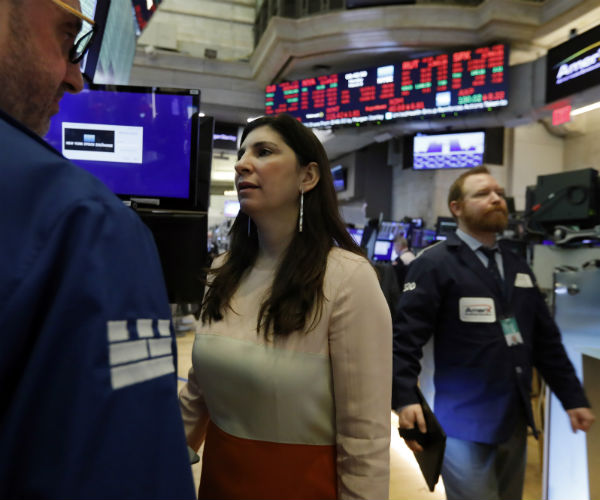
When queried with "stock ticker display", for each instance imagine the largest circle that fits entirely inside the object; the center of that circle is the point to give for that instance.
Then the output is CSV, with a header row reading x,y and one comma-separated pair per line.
x,y
444,84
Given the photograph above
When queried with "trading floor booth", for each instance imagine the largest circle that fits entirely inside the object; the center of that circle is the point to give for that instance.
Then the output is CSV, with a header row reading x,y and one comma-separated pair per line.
x,y
572,461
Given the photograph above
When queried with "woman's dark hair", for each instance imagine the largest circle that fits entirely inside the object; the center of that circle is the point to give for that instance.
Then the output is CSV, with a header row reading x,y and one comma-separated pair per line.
x,y
297,291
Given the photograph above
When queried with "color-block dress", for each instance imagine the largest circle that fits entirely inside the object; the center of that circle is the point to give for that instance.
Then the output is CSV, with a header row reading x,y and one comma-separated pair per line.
x,y
304,416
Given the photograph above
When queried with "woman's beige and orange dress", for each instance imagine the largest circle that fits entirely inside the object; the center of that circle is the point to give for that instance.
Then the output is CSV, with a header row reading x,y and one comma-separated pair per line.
x,y
303,416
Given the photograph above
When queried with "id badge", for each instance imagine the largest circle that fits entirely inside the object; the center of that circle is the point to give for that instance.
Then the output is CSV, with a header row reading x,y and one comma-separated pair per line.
x,y
511,332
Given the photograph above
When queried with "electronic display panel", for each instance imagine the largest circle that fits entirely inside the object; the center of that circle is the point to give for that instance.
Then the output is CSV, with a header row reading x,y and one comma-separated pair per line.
x,y
422,238
117,49
445,226
231,208
339,173
99,13
388,230
143,10
461,81
573,66
383,250
356,233
226,136
141,142
456,150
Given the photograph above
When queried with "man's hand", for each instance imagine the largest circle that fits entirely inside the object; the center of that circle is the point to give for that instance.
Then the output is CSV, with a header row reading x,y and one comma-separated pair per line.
x,y
408,416
581,418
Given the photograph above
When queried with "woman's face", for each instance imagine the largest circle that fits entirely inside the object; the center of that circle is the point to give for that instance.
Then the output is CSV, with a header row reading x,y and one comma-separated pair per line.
x,y
267,175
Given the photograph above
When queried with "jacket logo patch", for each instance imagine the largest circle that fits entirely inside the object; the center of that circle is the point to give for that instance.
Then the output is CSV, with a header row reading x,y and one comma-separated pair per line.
x,y
477,310
139,351
411,285
523,280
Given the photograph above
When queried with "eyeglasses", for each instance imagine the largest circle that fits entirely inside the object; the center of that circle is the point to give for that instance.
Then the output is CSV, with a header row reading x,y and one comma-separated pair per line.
x,y
86,34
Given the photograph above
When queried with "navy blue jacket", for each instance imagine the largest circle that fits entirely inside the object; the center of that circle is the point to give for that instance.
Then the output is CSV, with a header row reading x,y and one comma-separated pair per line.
x,y
88,405
482,385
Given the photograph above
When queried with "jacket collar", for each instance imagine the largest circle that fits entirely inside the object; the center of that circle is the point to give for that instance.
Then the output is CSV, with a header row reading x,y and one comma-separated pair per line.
x,y
22,128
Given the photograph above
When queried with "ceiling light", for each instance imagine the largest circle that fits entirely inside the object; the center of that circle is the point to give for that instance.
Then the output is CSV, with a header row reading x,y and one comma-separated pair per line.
x,y
585,109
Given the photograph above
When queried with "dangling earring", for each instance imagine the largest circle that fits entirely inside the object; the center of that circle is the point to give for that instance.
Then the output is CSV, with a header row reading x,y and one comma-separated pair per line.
x,y
248,226
300,220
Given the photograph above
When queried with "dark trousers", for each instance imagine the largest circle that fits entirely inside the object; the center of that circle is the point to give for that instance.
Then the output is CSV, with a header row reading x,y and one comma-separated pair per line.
x,y
481,471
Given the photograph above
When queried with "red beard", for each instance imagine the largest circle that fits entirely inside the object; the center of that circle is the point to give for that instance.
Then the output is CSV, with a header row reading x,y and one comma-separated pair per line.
x,y
494,220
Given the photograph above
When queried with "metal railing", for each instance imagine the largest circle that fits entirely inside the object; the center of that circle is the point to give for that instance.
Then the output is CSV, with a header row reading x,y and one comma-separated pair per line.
x,y
296,9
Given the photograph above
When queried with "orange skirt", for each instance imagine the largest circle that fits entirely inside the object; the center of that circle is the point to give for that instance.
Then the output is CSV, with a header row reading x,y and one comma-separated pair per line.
x,y
234,468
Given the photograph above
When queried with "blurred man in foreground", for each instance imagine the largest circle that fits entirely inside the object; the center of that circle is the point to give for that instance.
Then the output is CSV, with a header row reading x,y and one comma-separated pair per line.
x,y
88,406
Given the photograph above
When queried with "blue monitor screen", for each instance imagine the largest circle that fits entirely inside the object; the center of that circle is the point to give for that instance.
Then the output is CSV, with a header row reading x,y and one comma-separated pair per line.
x,y
140,142
339,174
383,250
356,234
423,237
428,237
456,150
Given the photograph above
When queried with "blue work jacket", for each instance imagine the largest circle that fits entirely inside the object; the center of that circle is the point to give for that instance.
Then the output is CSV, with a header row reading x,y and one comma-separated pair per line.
x,y
482,384
88,404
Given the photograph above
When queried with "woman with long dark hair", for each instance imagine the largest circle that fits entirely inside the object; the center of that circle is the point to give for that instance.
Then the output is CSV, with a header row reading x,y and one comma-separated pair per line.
x,y
291,380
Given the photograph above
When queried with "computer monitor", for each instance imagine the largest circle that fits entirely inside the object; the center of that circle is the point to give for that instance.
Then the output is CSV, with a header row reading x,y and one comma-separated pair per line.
x,y
445,226
383,250
339,173
388,230
422,238
356,233
417,222
231,208
144,143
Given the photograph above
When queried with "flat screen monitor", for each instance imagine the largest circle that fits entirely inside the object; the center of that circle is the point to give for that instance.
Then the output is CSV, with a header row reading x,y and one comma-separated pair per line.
x,y
340,178
417,222
143,143
443,151
445,226
98,11
114,51
422,238
356,233
231,208
573,66
383,250
226,136
388,230
144,9
434,85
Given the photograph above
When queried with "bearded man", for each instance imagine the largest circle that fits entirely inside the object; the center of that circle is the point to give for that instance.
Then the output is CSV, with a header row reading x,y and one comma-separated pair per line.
x,y
491,326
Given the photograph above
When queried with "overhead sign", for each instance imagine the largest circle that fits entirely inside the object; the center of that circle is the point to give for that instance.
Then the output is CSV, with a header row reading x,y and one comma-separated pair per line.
x,y
573,66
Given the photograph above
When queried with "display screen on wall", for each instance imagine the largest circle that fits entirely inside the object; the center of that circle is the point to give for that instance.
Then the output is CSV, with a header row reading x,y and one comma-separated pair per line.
x,y
226,136
458,150
573,66
457,82
339,173
142,142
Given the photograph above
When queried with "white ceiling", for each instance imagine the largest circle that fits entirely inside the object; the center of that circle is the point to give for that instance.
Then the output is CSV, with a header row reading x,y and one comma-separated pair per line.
x,y
233,90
